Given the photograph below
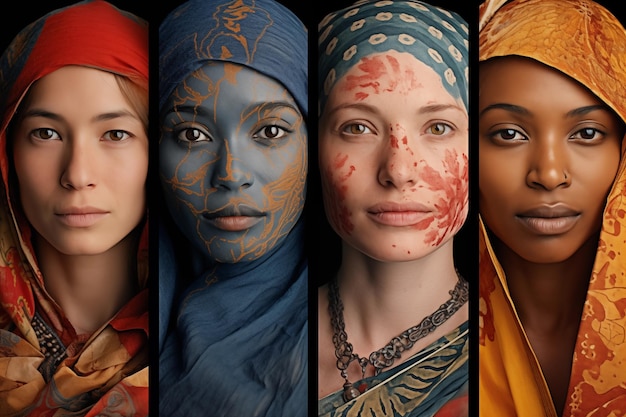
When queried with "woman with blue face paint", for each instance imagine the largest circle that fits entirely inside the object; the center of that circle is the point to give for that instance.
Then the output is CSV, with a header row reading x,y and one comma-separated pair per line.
x,y
393,156
233,166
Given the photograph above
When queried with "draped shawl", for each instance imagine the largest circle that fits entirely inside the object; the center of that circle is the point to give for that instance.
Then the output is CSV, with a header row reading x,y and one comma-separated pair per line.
x,y
235,340
584,41
108,372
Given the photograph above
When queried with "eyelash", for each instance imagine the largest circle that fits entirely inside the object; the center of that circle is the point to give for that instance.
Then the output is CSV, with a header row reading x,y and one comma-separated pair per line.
x,y
347,129
261,134
54,135
514,132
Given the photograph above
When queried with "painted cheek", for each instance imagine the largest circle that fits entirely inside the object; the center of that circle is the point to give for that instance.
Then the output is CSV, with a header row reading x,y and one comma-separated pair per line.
x,y
336,177
286,194
452,184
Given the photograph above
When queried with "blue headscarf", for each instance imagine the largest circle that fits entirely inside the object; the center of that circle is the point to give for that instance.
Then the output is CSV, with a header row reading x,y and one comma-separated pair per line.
x,y
435,36
237,339
260,34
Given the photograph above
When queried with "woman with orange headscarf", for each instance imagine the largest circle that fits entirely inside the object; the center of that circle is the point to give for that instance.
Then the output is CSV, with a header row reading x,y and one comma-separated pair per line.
x,y
552,108
73,241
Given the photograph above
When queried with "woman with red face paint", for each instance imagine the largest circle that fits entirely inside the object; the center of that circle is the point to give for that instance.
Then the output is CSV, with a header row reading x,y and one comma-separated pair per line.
x,y
552,257
393,145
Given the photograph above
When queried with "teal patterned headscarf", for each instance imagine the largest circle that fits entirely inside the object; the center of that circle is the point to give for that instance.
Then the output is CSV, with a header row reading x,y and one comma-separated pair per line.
x,y
435,36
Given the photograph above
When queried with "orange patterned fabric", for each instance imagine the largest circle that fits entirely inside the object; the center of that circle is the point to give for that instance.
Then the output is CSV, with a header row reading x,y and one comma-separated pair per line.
x,y
105,373
583,40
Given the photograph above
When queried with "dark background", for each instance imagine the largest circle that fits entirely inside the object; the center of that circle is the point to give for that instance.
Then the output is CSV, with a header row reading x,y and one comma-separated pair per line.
x,y
322,243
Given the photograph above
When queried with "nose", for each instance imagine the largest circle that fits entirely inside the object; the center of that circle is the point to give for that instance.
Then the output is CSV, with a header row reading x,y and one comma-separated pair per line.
x,y
398,167
78,165
548,165
229,172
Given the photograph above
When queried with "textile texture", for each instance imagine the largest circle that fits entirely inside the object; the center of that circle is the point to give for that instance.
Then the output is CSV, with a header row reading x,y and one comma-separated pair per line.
x,y
431,383
435,36
45,368
584,41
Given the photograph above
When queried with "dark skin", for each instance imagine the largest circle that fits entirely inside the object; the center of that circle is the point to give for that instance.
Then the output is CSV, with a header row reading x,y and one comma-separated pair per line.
x,y
549,153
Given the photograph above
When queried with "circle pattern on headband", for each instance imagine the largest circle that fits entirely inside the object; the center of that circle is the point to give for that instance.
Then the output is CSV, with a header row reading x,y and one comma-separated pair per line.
x,y
433,35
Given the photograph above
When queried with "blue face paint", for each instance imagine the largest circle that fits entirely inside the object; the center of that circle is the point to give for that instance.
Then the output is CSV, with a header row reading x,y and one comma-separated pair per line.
x,y
233,161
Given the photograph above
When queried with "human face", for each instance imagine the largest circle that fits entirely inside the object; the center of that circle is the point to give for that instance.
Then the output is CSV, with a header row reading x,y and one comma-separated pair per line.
x,y
393,158
233,161
81,159
549,151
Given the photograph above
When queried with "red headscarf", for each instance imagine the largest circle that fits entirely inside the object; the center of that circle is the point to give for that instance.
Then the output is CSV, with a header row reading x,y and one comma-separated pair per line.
x,y
107,372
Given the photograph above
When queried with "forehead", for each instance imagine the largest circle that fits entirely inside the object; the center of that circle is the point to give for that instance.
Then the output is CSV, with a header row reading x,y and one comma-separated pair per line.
x,y
390,73
520,78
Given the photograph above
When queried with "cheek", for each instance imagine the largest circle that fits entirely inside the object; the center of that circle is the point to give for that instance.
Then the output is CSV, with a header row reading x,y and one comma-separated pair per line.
x,y
451,185
337,171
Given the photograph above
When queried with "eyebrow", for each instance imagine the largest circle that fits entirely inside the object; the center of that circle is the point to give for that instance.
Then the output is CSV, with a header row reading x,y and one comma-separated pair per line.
x,y
431,108
35,112
523,111
587,109
506,106
434,108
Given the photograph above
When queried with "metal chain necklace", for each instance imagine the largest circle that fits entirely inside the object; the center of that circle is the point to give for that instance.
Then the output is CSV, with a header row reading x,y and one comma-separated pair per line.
x,y
384,357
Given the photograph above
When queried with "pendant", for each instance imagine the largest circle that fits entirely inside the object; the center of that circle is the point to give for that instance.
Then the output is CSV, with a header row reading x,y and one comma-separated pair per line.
x,y
349,392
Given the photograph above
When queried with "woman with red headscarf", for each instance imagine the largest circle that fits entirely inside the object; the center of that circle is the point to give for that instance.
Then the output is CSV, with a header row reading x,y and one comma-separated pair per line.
x,y
73,230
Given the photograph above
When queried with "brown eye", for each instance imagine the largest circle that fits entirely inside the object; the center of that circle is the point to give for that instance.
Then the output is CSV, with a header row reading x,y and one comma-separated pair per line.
x,y
509,134
357,129
45,134
587,133
438,129
193,135
270,132
116,135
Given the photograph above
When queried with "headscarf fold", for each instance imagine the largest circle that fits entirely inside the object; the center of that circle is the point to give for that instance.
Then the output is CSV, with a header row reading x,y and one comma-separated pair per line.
x,y
108,372
261,34
433,35
584,41
237,343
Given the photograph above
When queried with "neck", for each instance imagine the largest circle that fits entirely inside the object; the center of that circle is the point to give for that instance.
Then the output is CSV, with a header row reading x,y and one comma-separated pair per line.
x,y
89,289
382,299
549,297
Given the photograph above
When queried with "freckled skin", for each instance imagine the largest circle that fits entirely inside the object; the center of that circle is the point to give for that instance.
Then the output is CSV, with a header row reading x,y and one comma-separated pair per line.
x,y
238,162
382,139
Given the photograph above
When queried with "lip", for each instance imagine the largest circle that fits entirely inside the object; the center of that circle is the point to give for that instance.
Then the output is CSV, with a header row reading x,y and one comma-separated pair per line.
x,y
81,217
234,218
399,214
550,219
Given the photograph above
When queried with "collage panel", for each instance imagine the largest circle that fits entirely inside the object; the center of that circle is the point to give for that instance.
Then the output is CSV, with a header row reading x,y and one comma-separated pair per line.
x,y
393,166
551,127
350,208
73,210
233,162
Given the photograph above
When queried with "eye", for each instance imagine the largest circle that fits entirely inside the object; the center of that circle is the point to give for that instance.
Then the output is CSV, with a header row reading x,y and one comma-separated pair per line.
x,y
587,133
117,135
439,129
46,134
192,135
270,132
356,129
508,135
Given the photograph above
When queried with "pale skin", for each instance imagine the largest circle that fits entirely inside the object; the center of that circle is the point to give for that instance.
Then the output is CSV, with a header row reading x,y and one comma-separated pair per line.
x,y
545,140
389,158
74,127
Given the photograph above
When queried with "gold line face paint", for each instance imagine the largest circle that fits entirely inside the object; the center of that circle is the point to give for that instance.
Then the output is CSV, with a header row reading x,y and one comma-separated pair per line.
x,y
233,161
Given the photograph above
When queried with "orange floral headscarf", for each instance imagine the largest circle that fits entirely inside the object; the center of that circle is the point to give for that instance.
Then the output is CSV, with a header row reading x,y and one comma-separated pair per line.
x,y
585,41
